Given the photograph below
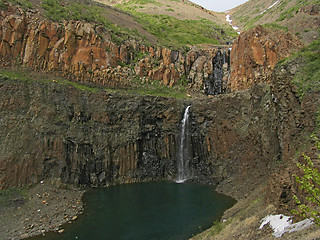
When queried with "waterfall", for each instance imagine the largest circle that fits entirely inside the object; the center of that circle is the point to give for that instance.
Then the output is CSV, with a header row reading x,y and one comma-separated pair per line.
x,y
183,151
214,84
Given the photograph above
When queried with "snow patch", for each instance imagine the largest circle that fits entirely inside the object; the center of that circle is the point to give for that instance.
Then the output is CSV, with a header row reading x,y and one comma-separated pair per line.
x,y
282,224
269,7
228,19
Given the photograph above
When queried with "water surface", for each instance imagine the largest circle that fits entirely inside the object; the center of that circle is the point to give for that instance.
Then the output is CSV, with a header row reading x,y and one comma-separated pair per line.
x,y
146,211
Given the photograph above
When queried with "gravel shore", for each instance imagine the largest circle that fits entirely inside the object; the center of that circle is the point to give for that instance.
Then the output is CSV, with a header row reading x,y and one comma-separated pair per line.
x,y
38,209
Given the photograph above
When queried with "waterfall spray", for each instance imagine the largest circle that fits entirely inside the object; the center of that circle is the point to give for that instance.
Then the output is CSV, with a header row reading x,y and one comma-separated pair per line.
x,y
183,151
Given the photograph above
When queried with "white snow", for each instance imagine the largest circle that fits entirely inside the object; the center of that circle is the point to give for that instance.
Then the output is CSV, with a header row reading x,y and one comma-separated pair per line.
x,y
270,7
180,181
282,224
230,22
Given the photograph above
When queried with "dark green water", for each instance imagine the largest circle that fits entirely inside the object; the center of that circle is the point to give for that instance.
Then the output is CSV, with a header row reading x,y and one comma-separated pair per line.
x,y
147,211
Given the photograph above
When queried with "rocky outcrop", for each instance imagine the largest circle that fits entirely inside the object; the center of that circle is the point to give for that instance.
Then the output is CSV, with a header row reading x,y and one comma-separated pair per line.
x,y
255,54
85,52
72,49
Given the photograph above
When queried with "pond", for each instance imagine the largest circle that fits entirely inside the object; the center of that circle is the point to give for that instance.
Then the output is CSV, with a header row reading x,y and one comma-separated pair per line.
x,y
145,211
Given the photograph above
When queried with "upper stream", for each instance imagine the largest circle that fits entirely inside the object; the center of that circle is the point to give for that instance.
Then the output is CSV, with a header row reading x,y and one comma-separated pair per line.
x,y
146,211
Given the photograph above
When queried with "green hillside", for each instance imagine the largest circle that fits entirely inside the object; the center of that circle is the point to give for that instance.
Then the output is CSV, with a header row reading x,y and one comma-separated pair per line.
x,y
298,16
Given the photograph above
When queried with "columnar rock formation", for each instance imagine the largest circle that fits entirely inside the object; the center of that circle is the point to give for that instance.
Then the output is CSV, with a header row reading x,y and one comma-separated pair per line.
x,y
97,139
255,54
81,138
85,52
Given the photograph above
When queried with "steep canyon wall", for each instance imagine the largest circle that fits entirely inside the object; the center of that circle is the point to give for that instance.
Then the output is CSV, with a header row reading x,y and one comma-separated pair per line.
x,y
89,139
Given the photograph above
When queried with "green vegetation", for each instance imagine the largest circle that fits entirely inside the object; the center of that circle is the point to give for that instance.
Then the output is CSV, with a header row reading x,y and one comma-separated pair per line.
x,y
174,32
152,87
177,33
155,88
26,76
250,14
170,10
275,26
289,13
59,10
141,2
309,182
307,78
14,75
216,228
250,23
73,10
2,5
25,4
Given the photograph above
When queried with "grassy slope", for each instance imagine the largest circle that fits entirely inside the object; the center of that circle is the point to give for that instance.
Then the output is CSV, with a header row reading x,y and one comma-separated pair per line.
x,y
284,14
152,88
178,24
307,78
87,10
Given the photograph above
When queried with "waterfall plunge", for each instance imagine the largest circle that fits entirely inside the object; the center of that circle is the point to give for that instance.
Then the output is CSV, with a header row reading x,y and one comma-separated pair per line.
x,y
183,153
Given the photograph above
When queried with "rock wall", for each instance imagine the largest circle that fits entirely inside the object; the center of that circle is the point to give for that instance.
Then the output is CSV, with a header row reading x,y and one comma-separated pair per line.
x,y
255,54
85,52
55,131
237,135
82,138
297,121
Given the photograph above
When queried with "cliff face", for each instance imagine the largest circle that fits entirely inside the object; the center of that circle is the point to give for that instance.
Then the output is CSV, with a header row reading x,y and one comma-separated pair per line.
x,y
85,52
297,120
255,54
85,139
50,130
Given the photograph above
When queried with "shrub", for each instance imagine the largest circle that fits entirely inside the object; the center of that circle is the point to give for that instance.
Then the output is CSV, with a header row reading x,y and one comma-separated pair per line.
x,y
309,182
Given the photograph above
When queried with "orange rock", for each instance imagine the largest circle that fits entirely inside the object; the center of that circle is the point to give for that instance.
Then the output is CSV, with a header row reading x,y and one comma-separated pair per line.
x,y
255,54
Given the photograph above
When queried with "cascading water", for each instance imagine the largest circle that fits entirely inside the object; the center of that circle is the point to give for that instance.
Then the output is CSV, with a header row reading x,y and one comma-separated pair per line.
x,y
214,82
183,152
